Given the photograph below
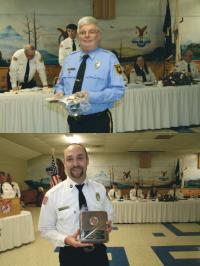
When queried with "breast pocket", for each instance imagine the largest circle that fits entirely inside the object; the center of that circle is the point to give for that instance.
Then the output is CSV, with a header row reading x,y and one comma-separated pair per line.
x,y
96,80
66,214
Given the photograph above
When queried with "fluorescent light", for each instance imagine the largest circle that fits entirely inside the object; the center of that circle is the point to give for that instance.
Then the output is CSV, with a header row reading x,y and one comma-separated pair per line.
x,y
75,138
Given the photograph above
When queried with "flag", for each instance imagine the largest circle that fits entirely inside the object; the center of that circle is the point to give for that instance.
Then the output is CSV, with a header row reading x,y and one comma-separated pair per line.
x,y
177,33
167,30
54,173
177,173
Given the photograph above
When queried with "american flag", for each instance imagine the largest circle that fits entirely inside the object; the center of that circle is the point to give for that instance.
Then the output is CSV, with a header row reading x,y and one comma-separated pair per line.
x,y
54,173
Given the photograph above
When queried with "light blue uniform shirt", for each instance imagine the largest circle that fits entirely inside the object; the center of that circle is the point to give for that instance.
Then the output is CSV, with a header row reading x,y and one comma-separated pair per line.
x,y
102,80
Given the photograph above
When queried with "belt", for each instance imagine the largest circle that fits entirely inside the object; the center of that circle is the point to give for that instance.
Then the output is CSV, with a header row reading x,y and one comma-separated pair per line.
x,y
83,117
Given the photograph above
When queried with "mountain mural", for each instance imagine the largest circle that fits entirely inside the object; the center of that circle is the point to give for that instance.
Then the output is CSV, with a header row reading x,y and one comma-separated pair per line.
x,y
11,41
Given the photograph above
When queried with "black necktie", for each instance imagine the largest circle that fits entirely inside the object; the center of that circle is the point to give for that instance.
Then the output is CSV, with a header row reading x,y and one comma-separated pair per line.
x,y
143,75
73,45
81,197
26,76
114,195
80,75
1,189
189,68
136,193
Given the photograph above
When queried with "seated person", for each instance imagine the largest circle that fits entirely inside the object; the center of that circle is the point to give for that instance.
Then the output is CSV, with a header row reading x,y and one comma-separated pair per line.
x,y
153,193
6,190
136,192
114,192
15,186
175,192
186,65
141,72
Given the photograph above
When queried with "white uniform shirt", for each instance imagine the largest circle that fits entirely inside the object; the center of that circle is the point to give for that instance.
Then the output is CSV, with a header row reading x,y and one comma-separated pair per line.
x,y
66,48
59,216
112,194
150,76
18,68
132,194
8,191
182,66
15,187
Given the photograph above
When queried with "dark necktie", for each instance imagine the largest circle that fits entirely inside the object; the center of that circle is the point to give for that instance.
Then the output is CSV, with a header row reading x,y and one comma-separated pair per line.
x,y
174,193
1,189
189,68
80,75
136,193
114,195
143,75
26,76
73,45
81,197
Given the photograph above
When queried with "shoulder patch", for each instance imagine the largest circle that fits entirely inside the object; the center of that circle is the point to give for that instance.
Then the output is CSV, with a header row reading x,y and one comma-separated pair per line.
x,y
15,58
45,199
118,69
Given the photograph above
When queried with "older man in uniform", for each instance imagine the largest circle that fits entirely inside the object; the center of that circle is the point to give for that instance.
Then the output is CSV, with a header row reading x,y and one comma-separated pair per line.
x,y
59,217
94,73
24,64
186,65
70,44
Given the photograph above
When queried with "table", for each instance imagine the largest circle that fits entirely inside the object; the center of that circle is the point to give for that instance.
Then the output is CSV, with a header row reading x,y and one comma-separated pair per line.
x,y
156,108
16,230
28,112
156,212
139,109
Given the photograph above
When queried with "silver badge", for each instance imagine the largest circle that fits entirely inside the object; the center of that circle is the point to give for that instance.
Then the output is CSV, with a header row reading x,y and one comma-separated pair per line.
x,y
97,64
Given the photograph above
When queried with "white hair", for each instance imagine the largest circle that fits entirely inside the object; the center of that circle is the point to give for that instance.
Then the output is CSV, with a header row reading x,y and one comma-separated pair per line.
x,y
87,20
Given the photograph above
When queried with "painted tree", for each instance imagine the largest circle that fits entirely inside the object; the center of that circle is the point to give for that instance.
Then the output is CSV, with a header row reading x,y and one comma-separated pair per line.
x,y
28,30
36,28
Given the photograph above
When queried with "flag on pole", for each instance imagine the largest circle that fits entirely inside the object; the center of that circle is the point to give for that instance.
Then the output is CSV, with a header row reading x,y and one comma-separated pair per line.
x,y
176,32
54,173
177,173
167,30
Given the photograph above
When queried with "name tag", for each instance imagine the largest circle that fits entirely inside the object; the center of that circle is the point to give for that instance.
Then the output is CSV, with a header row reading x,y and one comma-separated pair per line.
x,y
63,208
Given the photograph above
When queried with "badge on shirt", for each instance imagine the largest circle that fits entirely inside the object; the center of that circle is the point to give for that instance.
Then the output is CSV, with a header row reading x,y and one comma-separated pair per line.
x,y
97,196
45,199
118,69
97,64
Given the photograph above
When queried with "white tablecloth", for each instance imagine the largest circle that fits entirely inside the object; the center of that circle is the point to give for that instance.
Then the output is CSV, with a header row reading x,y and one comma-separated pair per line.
x,y
28,112
16,230
156,108
140,109
156,212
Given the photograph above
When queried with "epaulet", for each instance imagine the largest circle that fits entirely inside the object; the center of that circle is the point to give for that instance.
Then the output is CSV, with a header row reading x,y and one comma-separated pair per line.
x,y
53,189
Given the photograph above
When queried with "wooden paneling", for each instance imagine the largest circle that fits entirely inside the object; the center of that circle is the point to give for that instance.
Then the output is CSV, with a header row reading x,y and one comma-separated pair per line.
x,y
198,160
104,9
145,160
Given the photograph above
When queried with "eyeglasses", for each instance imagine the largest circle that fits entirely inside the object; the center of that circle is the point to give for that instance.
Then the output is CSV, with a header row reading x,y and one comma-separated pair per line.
x,y
90,32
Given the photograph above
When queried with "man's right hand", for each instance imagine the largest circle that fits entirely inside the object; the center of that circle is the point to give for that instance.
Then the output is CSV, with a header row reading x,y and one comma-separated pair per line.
x,y
74,242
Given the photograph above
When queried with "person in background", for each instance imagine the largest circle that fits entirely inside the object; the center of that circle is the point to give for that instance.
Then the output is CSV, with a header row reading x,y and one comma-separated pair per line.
x,y
114,192
6,190
15,186
153,193
187,65
24,64
141,72
136,192
68,45
61,207
175,192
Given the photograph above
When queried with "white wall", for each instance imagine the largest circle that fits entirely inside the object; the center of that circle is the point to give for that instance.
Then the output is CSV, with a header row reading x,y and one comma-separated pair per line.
x,y
16,167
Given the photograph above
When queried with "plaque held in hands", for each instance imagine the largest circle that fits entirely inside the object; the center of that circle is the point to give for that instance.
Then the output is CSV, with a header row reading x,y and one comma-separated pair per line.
x,y
93,227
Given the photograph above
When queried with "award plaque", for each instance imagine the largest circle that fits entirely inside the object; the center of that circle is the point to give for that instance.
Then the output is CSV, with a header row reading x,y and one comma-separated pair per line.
x,y
93,227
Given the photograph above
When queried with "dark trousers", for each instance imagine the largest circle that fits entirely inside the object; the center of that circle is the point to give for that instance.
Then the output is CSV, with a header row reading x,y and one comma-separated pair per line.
x,y
94,123
31,84
70,256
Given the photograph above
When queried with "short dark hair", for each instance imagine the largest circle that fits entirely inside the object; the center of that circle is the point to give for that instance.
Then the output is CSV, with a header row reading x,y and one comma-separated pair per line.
x,y
2,173
71,26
